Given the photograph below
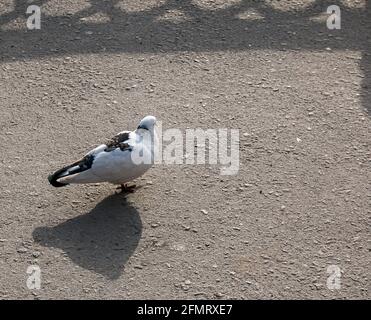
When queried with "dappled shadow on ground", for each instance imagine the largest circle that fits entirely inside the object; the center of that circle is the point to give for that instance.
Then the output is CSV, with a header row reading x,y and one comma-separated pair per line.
x,y
243,25
200,29
101,240
366,63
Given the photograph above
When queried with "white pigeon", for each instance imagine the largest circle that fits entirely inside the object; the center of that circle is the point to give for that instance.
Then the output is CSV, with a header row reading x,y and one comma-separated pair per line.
x,y
122,159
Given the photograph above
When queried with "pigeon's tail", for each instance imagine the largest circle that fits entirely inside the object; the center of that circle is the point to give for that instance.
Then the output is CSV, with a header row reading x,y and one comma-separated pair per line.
x,y
53,178
77,167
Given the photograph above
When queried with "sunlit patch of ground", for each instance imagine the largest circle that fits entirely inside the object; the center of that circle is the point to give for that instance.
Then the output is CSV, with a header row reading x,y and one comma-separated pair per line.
x,y
137,6
66,7
250,14
215,4
174,16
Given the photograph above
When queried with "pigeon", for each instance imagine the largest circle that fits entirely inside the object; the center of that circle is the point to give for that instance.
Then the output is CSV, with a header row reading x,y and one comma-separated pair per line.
x,y
123,158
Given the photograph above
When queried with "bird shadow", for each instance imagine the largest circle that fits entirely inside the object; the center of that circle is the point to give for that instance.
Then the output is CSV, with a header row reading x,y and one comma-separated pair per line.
x,y
102,240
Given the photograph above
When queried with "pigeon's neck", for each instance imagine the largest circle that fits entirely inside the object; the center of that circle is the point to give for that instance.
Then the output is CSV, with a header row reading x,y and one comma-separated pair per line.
x,y
142,131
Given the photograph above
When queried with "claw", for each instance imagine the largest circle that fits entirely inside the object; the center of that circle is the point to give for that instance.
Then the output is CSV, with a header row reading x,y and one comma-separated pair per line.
x,y
126,189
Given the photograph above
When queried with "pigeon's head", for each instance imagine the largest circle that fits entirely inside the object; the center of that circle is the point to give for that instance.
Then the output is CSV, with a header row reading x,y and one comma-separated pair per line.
x,y
147,123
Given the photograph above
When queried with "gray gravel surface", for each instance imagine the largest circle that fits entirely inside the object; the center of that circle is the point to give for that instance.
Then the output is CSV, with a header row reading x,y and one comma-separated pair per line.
x,y
299,94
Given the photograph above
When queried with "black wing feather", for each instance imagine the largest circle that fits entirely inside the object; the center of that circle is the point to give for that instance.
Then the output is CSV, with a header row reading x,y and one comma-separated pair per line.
x,y
118,141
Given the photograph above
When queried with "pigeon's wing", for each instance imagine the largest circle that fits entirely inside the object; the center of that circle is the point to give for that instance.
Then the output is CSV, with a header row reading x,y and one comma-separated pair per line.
x,y
97,165
122,141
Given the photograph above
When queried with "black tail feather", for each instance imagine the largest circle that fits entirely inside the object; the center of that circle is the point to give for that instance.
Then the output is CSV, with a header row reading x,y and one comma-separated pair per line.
x,y
81,165
55,176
